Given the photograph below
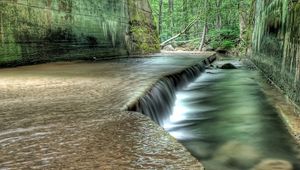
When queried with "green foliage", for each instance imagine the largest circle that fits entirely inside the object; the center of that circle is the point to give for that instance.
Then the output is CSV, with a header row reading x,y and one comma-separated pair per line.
x,y
176,19
222,18
225,38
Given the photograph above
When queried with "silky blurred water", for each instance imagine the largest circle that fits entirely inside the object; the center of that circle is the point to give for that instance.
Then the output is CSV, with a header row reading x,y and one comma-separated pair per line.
x,y
225,120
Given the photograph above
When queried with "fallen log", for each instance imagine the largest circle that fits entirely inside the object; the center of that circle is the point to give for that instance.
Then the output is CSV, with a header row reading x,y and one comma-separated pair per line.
x,y
187,28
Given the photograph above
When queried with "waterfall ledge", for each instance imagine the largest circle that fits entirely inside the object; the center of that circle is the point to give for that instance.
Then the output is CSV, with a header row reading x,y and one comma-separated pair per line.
x,y
158,100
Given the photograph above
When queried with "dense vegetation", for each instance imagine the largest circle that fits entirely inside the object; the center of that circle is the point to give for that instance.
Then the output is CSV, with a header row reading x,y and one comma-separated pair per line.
x,y
210,24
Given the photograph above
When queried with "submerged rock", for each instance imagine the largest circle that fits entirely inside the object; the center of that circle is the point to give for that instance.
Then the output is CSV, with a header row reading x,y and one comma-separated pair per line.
x,y
237,154
273,164
212,165
228,66
169,48
199,149
221,50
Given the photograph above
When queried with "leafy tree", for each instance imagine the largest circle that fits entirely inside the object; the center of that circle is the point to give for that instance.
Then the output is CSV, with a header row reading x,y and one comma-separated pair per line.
x,y
218,22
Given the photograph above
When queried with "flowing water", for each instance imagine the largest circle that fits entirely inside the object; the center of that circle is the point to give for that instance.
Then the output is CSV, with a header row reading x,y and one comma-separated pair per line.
x,y
225,120
55,114
71,115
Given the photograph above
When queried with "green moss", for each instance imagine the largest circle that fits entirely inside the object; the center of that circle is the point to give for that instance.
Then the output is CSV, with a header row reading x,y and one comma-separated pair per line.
x,y
143,32
145,41
276,43
297,6
64,29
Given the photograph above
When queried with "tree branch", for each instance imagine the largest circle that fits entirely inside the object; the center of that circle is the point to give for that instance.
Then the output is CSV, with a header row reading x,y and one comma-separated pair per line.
x,y
187,28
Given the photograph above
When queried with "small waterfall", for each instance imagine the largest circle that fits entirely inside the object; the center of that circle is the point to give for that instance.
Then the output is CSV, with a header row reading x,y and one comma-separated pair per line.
x,y
157,103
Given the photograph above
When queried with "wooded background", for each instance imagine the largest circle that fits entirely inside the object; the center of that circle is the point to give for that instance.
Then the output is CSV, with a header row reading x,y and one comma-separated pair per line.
x,y
210,24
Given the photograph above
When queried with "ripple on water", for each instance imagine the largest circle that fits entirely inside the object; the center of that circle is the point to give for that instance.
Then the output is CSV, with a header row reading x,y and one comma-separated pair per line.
x,y
226,121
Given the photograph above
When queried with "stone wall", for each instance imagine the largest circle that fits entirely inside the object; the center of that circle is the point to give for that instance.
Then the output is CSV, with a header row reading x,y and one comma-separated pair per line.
x,y
276,43
33,31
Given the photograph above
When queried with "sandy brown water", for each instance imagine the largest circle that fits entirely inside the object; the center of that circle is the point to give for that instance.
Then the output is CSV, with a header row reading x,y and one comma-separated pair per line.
x,y
69,115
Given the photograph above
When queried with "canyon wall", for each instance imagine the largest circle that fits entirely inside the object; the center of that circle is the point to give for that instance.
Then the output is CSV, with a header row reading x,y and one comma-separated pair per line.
x,y
34,31
276,43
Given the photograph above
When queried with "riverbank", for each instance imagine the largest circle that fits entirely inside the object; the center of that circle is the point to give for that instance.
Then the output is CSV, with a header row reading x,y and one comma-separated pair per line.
x,y
288,110
70,115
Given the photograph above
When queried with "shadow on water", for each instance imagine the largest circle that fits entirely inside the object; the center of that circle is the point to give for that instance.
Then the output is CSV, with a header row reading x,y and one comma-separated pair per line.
x,y
225,120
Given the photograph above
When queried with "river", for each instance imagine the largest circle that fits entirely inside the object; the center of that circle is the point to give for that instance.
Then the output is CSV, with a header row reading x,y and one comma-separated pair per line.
x,y
226,121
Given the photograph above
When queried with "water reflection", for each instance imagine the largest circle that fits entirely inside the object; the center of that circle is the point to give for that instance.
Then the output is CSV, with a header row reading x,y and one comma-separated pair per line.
x,y
224,119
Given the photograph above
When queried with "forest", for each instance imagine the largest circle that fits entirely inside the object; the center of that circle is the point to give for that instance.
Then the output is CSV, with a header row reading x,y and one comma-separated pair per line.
x,y
150,84
205,25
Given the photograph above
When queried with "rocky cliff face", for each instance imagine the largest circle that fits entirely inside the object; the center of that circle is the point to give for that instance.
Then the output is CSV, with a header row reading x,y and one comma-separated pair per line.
x,y
276,43
47,30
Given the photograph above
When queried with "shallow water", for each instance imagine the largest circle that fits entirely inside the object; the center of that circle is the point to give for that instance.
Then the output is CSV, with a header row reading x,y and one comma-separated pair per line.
x,y
225,120
71,115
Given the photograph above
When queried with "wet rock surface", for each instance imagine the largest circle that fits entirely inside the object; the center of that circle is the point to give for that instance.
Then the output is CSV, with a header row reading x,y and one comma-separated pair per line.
x,y
169,48
273,164
68,115
241,155
228,66
221,50
278,57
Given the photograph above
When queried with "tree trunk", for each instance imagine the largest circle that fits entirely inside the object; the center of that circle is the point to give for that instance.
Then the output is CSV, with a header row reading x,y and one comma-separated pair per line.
x,y
203,37
243,20
185,14
179,34
171,6
219,14
205,27
160,17
1,30
171,11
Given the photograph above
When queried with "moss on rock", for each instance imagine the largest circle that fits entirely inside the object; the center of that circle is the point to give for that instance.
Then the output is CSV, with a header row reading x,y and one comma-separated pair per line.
x,y
144,37
41,31
276,43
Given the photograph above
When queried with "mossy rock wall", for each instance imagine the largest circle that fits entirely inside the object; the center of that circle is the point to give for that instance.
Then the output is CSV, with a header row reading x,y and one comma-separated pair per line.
x,y
143,31
34,31
276,43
